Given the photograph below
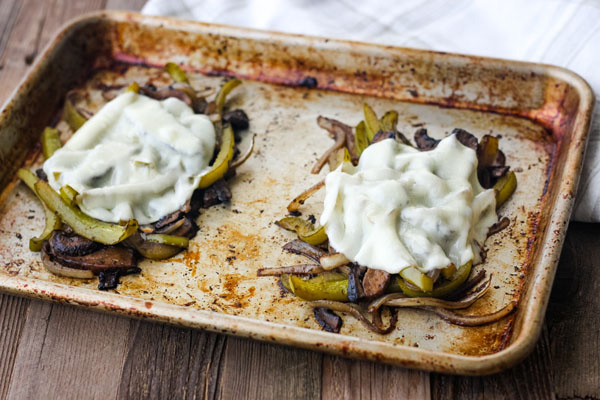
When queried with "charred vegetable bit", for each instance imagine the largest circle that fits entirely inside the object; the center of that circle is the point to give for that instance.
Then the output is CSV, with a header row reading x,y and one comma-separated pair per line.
x,y
237,118
363,316
424,141
328,320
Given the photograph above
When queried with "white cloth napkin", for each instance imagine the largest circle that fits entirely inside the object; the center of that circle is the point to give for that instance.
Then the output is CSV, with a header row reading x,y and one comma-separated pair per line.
x,y
559,32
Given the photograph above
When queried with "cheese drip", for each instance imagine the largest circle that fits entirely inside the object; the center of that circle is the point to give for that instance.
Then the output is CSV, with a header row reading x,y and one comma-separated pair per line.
x,y
135,158
403,207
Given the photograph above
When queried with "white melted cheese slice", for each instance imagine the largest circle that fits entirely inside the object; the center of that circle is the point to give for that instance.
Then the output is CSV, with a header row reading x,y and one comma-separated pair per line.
x,y
403,207
135,158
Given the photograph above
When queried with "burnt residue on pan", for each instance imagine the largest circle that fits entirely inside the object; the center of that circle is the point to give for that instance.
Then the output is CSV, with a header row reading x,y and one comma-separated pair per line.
x,y
297,79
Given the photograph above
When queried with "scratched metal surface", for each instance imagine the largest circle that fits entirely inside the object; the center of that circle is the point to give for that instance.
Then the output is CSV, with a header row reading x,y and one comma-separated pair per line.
x,y
218,272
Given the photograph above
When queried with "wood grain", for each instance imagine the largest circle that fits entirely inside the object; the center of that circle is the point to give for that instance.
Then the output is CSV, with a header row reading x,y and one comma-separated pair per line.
x,y
353,379
67,353
166,362
256,370
573,315
12,318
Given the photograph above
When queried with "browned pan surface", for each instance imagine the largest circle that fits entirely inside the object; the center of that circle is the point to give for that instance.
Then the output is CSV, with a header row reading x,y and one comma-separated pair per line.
x,y
542,114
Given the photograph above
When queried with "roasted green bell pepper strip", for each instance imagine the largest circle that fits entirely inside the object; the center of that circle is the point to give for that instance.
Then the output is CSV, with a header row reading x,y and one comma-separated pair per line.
x,y
151,250
325,286
389,121
134,87
223,92
372,124
68,194
487,150
338,157
361,142
417,278
52,221
171,240
505,187
306,231
50,142
82,224
176,73
221,164
442,290
72,116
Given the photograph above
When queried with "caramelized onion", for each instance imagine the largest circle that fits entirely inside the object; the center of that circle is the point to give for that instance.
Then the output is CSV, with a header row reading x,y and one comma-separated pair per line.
x,y
396,301
300,269
242,159
473,320
300,199
332,261
304,249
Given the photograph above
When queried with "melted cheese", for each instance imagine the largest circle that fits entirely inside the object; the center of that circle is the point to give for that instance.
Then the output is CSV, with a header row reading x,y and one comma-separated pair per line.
x,y
402,207
135,158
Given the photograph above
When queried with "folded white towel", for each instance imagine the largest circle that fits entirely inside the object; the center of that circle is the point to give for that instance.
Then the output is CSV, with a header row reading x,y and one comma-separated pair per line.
x,y
559,32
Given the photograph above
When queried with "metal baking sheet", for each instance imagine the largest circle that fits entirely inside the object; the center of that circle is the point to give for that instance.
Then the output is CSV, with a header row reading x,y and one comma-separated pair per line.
x,y
541,112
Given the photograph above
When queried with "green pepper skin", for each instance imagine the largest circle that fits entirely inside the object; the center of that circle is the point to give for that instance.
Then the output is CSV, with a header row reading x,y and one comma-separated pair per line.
x,y
306,231
52,221
442,290
224,92
82,224
221,164
176,73
50,142
321,287
505,187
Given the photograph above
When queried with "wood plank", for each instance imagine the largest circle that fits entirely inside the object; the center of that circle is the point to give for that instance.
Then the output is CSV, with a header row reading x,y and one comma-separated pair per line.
x,y
167,362
257,370
9,9
68,352
572,317
353,379
13,311
529,380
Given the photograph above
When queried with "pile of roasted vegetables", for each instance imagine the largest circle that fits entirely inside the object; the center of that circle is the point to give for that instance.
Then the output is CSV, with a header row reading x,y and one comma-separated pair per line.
x,y
76,245
331,282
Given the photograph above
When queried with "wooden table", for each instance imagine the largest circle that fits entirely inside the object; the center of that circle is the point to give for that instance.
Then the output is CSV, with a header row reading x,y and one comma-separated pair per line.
x,y
54,351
